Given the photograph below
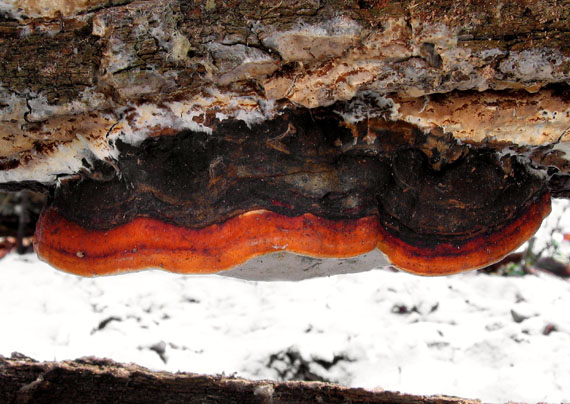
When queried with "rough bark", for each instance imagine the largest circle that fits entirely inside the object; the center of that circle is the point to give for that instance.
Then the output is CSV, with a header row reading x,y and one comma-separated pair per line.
x,y
90,380
97,70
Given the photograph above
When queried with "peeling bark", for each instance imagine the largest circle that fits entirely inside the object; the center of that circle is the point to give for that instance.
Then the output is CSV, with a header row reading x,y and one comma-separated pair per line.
x,y
143,65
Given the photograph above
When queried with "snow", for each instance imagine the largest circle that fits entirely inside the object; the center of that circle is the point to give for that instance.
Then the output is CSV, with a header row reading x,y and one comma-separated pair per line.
x,y
446,335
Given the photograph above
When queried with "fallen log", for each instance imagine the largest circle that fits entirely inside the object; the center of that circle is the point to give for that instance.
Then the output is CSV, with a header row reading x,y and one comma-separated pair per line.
x,y
91,380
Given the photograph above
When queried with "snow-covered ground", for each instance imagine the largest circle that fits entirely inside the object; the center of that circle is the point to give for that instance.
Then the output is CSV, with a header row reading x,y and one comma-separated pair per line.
x,y
471,335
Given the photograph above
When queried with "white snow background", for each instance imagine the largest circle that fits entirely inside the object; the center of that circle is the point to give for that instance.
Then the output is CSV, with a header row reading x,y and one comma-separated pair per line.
x,y
379,329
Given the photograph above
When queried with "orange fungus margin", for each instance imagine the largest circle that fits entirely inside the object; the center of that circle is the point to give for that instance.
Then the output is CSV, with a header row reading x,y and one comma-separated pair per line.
x,y
146,243
478,252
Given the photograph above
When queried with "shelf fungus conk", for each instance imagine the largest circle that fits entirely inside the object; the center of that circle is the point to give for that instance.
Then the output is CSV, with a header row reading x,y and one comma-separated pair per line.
x,y
301,186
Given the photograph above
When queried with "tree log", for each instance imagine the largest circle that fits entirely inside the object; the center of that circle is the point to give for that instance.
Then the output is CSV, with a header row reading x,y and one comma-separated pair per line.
x,y
91,380
76,74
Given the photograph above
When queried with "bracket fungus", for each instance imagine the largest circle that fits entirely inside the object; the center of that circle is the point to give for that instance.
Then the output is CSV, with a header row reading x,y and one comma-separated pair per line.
x,y
304,183
317,140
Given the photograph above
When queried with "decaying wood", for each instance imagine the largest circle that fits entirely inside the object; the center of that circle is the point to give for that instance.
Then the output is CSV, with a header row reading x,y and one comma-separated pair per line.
x,y
90,380
76,74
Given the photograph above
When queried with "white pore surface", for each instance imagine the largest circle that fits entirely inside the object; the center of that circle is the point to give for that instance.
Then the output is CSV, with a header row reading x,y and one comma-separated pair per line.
x,y
459,338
